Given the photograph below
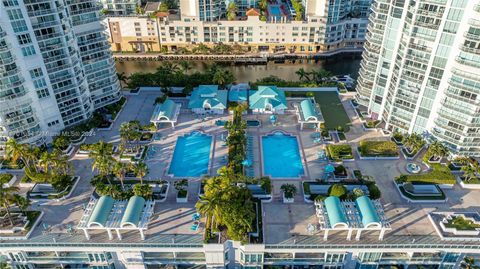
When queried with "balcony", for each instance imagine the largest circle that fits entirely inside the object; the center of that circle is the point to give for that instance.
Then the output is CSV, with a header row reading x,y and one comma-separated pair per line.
x,y
470,50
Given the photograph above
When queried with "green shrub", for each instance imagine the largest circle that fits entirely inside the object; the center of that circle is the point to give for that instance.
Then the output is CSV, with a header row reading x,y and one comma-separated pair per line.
x,y
378,148
439,174
340,152
374,191
337,190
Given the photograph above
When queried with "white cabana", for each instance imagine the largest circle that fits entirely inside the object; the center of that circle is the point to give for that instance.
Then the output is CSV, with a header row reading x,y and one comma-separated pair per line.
x,y
361,214
108,214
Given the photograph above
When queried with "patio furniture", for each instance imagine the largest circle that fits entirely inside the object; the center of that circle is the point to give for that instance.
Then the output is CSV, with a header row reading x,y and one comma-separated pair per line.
x,y
196,216
195,226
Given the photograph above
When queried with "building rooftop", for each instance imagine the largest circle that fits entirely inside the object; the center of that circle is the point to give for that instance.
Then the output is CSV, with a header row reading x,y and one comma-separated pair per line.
x,y
284,225
268,96
208,96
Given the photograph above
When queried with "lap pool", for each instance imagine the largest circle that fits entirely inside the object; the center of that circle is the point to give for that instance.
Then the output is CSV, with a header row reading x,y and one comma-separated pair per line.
x,y
191,155
281,156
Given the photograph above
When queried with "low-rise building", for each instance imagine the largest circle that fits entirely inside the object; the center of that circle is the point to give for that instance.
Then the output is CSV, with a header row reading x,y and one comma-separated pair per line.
x,y
169,33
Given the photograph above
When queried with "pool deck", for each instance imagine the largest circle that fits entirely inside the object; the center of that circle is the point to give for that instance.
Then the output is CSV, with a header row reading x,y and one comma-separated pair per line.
x,y
283,224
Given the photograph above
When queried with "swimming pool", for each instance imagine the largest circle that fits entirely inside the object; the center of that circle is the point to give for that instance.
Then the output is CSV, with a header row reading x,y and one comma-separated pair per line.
x,y
274,11
191,155
281,156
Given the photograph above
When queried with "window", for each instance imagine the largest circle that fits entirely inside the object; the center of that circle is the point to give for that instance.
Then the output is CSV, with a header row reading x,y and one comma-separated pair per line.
x,y
24,39
42,93
15,14
28,51
35,73
10,3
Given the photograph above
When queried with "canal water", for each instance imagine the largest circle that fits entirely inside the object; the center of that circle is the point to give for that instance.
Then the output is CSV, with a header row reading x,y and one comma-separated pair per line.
x,y
338,65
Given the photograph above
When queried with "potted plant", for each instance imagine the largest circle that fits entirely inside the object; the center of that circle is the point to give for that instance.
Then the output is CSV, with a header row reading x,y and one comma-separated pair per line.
x,y
182,193
289,191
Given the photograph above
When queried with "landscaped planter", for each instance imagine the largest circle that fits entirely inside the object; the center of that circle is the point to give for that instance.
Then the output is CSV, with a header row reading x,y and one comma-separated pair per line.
x,y
377,150
68,151
422,197
11,181
288,200
467,185
55,196
410,155
182,197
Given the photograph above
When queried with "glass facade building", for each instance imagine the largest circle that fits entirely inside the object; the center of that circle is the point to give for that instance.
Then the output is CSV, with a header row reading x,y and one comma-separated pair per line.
x,y
418,70
56,67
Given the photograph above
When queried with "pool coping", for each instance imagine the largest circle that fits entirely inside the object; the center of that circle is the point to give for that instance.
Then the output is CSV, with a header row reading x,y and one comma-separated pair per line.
x,y
210,156
300,151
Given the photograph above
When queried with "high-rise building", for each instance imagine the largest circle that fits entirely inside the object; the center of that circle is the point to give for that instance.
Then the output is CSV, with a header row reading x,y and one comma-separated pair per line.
x,y
203,10
121,7
56,67
419,72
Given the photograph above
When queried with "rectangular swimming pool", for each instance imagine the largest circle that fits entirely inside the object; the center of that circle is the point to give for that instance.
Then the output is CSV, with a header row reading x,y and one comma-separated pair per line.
x,y
274,11
281,156
191,155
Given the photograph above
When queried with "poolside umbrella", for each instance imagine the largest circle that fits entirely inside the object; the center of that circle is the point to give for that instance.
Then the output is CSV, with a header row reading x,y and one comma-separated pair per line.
x,y
329,168
247,162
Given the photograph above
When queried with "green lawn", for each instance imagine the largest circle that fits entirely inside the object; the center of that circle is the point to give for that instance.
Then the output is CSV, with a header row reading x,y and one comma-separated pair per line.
x,y
332,110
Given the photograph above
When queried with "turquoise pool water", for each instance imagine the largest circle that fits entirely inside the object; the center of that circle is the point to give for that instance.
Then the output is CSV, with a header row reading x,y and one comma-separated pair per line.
x,y
274,11
191,155
281,156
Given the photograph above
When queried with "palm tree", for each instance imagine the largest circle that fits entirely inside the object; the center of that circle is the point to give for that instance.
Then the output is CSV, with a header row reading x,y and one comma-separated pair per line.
x,y
289,190
102,158
302,74
321,75
437,150
413,142
120,169
44,161
141,169
122,78
222,77
16,151
470,171
185,65
231,11
60,164
22,202
7,197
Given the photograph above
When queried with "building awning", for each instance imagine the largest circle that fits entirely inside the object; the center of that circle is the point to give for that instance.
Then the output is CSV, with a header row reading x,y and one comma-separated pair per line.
x,y
133,212
335,212
368,212
101,211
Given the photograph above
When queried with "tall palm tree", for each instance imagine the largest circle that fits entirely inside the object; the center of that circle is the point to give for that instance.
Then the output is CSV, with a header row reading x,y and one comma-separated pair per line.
x,y
22,202
413,142
60,164
437,150
232,11
120,169
321,75
141,170
44,161
122,78
7,198
470,171
16,151
302,74
185,65
102,158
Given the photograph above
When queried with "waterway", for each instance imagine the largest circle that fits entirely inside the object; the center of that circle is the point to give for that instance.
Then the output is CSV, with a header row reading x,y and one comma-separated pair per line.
x,y
338,65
